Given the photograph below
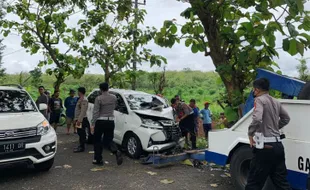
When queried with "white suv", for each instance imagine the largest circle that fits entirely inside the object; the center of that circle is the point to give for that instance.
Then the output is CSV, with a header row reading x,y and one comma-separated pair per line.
x,y
25,134
143,122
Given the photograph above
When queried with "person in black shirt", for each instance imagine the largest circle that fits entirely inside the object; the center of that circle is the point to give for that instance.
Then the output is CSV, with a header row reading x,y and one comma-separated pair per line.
x,y
56,108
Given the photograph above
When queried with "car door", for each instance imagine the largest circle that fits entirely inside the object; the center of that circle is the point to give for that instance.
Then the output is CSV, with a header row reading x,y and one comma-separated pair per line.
x,y
121,114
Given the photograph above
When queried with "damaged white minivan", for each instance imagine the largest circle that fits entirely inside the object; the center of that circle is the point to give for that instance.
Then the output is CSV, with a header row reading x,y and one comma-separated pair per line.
x,y
143,122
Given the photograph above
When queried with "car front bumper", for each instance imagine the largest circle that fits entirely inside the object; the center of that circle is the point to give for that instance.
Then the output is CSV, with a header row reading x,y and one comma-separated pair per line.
x,y
162,147
35,150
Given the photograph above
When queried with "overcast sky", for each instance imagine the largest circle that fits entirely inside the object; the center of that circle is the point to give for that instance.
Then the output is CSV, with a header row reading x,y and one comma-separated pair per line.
x,y
178,57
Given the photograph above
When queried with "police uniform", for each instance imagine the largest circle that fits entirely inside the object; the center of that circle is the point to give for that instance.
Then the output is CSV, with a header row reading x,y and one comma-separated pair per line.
x,y
268,160
81,116
103,121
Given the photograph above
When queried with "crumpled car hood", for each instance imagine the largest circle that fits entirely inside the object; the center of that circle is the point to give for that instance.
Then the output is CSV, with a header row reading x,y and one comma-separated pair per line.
x,y
165,113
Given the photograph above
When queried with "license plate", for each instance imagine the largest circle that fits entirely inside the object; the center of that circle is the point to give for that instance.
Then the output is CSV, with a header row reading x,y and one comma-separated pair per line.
x,y
12,147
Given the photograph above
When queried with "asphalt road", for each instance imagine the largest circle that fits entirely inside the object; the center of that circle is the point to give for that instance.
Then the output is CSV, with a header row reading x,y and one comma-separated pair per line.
x,y
74,171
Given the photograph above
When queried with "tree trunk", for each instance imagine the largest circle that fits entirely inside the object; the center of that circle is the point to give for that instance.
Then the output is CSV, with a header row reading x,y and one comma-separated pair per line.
x,y
107,74
60,78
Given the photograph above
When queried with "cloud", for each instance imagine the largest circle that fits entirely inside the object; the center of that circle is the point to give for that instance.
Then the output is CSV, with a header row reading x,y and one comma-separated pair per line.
x,y
178,57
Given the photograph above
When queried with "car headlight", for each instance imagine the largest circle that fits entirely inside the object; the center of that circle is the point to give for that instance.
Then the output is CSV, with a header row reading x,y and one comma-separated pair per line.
x,y
149,123
43,128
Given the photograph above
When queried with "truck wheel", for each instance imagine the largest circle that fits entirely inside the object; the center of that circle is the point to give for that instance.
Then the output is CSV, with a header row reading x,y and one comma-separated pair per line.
x,y
304,94
133,146
240,167
44,166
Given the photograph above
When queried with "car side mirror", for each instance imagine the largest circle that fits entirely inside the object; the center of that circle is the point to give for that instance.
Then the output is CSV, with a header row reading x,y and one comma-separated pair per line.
x,y
42,107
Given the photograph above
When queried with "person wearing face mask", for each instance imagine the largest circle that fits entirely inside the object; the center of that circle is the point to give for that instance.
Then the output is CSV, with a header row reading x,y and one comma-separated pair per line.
x,y
265,138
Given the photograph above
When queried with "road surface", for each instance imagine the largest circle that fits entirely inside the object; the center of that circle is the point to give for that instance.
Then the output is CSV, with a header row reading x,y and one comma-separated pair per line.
x,y
74,171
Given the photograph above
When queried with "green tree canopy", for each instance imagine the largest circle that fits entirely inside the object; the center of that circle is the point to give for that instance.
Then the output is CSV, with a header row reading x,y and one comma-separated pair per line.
x,y
112,42
240,36
43,28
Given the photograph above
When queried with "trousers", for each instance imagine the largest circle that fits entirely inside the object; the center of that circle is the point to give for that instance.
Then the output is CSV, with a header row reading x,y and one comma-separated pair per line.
x,y
268,162
187,125
103,136
82,132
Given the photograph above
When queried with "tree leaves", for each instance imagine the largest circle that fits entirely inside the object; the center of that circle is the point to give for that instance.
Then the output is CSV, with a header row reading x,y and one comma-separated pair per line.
x,y
300,48
286,44
291,28
293,47
300,5
194,48
188,42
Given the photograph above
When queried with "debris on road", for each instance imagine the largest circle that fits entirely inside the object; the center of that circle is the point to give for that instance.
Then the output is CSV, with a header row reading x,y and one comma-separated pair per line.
x,y
228,174
187,162
67,166
214,185
106,162
97,169
223,175
166,181
57,167
91,152
152,173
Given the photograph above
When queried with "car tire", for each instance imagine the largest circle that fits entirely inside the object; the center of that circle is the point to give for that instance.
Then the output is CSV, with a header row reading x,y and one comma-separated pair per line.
x,y
44,166
240,167
133,146
304,94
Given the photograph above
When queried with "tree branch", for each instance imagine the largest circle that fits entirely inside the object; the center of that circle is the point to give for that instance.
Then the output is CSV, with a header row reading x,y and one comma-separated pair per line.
x,y
284,10
68,51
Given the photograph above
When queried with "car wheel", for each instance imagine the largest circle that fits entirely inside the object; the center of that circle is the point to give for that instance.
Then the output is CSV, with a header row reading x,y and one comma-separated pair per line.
x,y
44,166
240,167
133,146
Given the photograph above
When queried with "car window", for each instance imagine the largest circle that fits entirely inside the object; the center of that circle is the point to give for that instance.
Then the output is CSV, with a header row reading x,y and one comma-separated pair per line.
x,y
16,101
120,105
144,101
93,96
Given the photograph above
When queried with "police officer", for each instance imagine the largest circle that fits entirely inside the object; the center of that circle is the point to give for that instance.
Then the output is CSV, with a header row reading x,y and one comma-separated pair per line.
x,y
103,124
268,160
81,121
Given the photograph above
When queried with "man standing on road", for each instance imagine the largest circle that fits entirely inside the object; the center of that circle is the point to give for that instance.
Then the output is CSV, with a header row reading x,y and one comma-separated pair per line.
x,y
207,119
103,124
80,119
56,108
43,99
70,104
192,104
264,136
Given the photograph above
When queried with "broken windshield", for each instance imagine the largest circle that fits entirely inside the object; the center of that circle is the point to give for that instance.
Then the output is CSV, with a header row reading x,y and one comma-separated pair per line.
x,y
145,101
15,101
